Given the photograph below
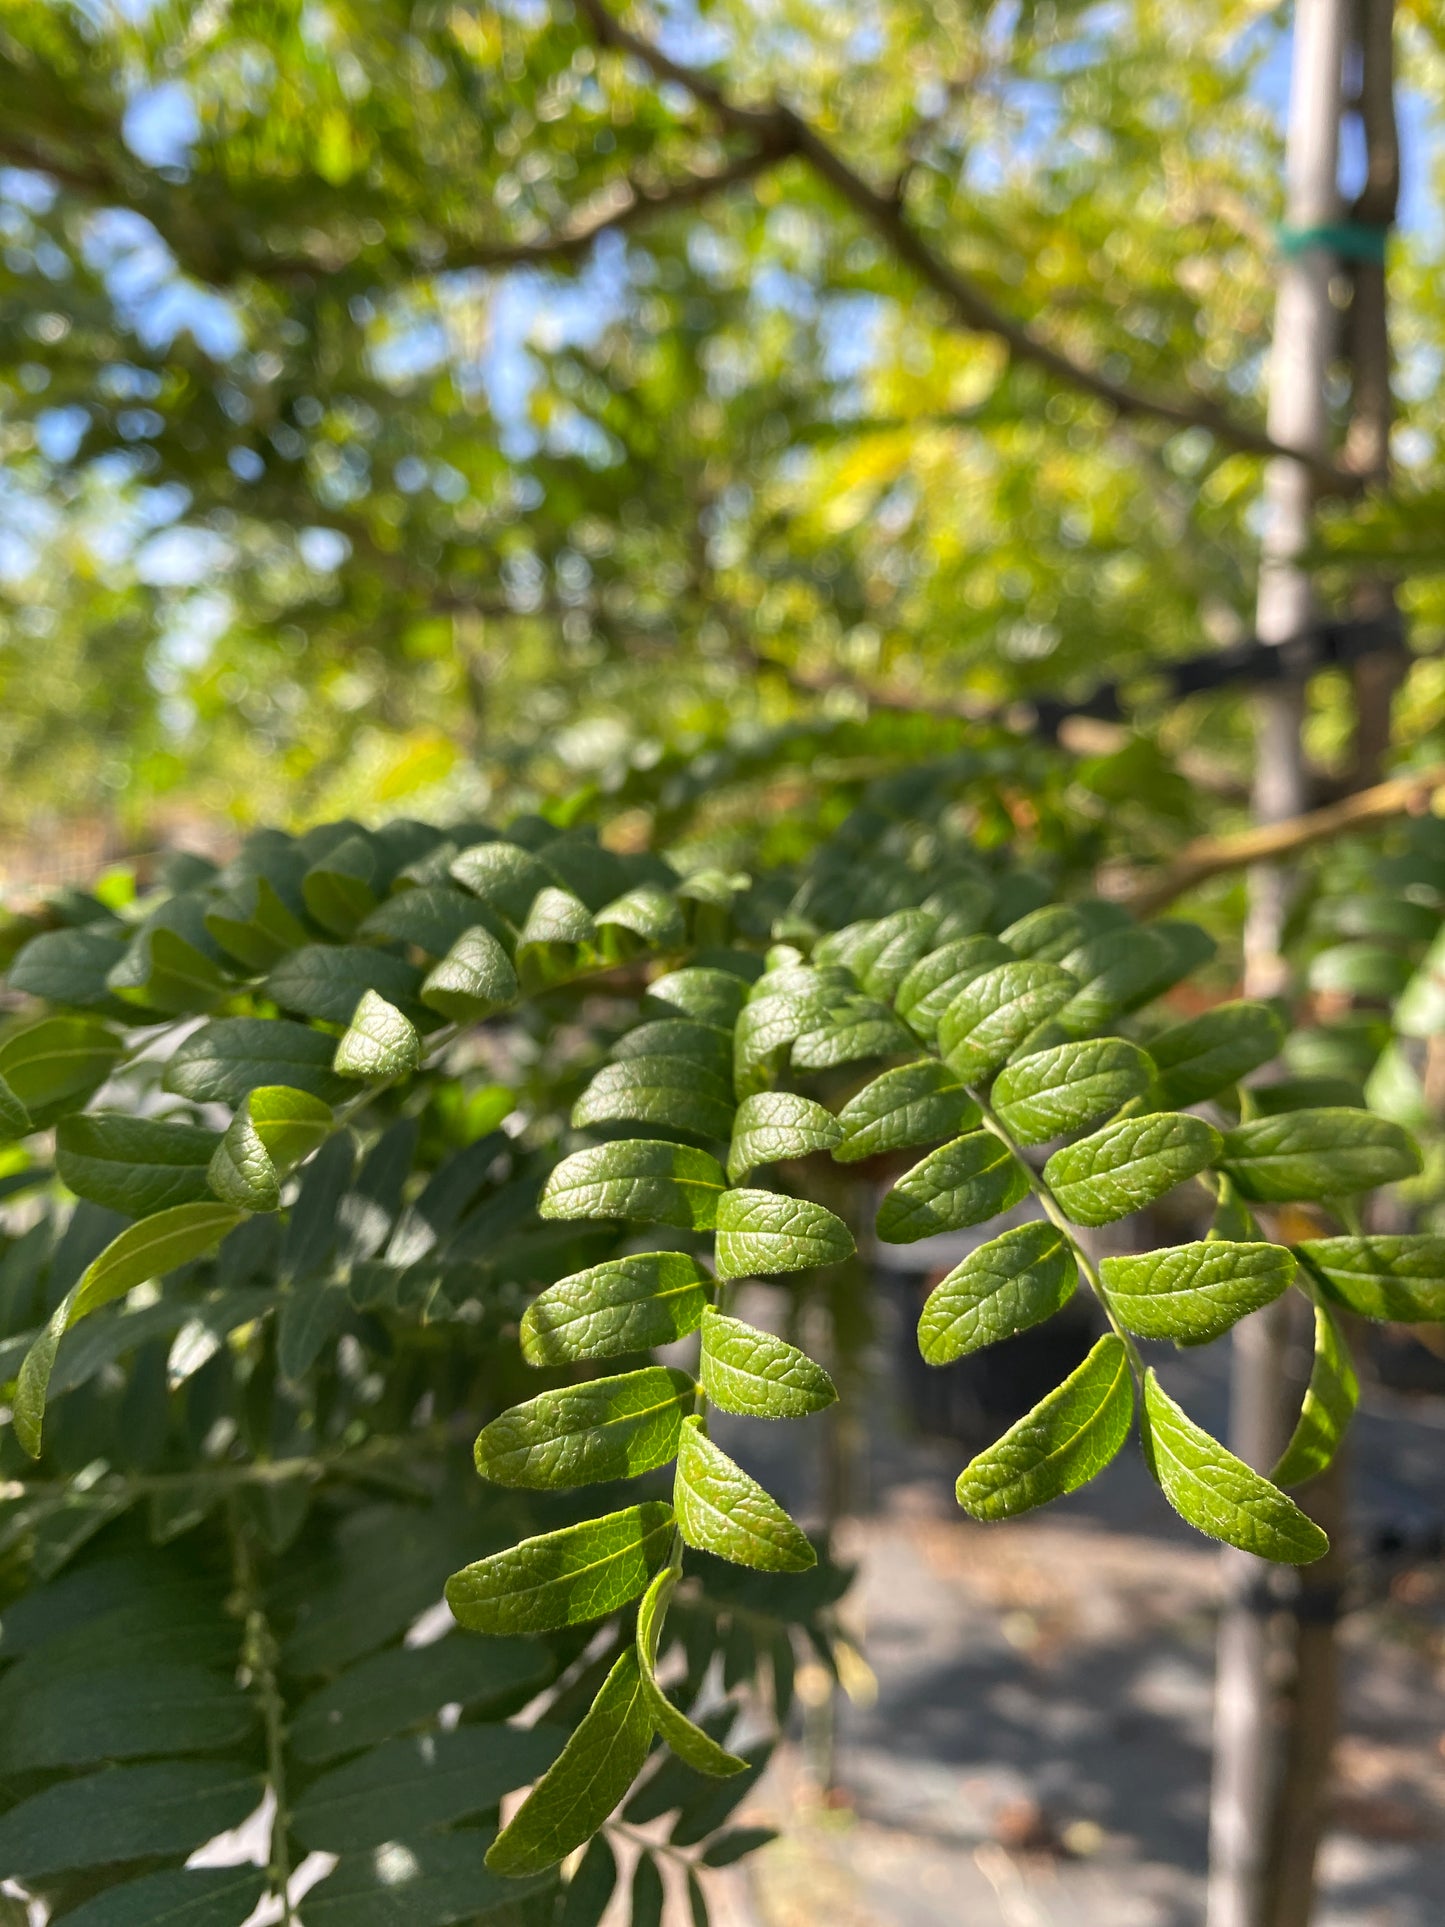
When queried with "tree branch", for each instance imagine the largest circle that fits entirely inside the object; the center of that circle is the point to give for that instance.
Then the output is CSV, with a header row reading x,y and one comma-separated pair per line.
x,y
782,130
1212,856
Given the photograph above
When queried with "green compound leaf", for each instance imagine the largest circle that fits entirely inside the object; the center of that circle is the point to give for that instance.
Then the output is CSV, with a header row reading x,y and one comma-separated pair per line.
x,y
1066,1087
962,1183
135,1165
1329,1404
911,1104
52,1067
713,997
1218,1493
14,1118
1396,1277
141,1252
644,1179
564,1578
226,1060
691,1745
1193,1293
935,980
989,1019
1067,1439
591,1774
1317,1154
625,1305
1200,1058
327,980
1129,1164
723,1511
1016,1280
274,1129
750,1372
380,1044
778,1124
760,1233
673,1093
607,1428
474,980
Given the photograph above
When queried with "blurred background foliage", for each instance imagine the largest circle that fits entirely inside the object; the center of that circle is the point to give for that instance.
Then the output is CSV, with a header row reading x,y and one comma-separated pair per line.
x,y
348,466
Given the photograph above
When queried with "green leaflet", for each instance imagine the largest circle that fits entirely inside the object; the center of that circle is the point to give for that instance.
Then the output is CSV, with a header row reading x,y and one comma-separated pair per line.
x,y
70,967
14,1118
688,1742
892,947
474,980
272,1131
503,876
172,963
1068,1086
1200,1058
53,1066
430,1880
125,1813
711,996
673,1093
911,1104
935,980
647,913
344,885
855,1027
1329,1404
625,1305
254,924
704,1044
381,1043
641,1178
403,1686
135,1165
225,1060
648,1896
1396,1277
778,1124
962,1183
1051,931
1117,971
766,1031
179,1897
87,1715
1067,1439
1317,1154
327,980
1129,1164
1195,1292
723,1511
564,1578
141,1252
587,1893
431,917
553,939
1016,1280
990,1018
592,1773
760,1233
416,1783
756,1375
605,1428
1218,1493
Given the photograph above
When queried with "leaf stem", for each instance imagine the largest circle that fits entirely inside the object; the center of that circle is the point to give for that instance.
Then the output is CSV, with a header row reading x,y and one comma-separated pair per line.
x,y
260,1655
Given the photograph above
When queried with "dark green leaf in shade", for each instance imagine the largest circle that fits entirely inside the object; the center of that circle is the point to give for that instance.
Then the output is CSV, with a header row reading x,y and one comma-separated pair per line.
x,y
122,1711
707,1045
328,980
343,887
178,1897
585,1897
1399,1277
564,1578
1204,1056
225,1060
52,1067
124,1813
908,1105
474,980
721,1510
757,1375
760,1233
503,876
14,1118
588,1779
1068,1086
1193,1293
1069,1437
431,918
70,967
255,923
1329,1404
381,1043
778,1124
1016,1280
135,1165
172,963
687,1741
672,1093
604,1428
406,1686
1326,1153
734,1845
990,1018
648,1895
1129,1164
430,1880
622,1305
935,980
1217,1493
962,1183
644,1179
